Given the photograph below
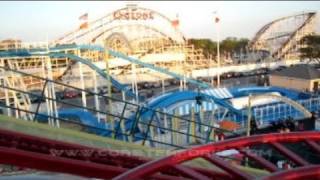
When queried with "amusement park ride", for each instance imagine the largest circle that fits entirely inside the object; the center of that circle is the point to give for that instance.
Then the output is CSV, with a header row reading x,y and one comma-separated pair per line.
x,y
136,43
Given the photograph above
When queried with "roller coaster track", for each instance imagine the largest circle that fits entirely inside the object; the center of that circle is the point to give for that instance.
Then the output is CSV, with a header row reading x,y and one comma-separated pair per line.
x,y
296,105
177,97
286,45
267,27
55,53
95,68
206,152
145,115
293,37
96,25
45,154
169,99
161,70
56,156
133,126
136,61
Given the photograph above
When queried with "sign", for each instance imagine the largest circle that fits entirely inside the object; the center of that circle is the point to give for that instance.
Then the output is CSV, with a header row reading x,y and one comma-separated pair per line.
x,y
133,14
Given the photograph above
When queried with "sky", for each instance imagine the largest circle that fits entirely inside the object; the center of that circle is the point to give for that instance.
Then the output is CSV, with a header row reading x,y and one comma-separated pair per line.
x,y
42,20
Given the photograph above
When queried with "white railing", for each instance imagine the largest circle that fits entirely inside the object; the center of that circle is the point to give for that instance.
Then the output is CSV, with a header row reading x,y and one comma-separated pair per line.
x,y
265,115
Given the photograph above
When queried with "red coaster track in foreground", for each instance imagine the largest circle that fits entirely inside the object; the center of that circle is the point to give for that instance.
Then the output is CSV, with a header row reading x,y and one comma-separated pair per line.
x,y
37,153
207,152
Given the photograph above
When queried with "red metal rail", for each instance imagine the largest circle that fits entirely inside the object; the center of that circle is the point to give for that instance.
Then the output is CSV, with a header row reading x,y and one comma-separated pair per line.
x,y
208,151
311,172
50,155
55,156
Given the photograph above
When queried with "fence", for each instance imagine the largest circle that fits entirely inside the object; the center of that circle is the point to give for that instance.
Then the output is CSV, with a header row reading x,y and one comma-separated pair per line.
x,y
266,114
122,121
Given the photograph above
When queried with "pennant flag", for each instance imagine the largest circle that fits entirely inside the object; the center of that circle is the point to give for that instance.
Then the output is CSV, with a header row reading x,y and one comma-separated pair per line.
x,y
84,17
175,23
216,19
84,25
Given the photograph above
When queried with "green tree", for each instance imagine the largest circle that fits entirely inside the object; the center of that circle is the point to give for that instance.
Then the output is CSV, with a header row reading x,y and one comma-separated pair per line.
x,y
208,46
241,44
312,49
228,45
232,44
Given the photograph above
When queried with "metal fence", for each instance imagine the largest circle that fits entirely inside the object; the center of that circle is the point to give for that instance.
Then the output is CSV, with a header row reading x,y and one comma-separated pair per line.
x,y
121,122
267,114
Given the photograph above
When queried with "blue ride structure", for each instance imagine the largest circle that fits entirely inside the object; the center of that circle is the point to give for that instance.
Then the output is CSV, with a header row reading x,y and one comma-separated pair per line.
x,y
54,53
146,113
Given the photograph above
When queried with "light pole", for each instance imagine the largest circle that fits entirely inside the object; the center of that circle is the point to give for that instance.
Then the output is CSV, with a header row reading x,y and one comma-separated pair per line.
x,y
216,19
249,115
108,118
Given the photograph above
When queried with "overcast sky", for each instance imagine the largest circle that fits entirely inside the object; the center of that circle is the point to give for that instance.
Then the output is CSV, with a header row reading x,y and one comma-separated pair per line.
x,y
34,21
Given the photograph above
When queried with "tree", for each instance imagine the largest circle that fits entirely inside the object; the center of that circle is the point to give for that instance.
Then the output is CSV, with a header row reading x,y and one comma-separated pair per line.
x,y
228,45
232,44
209,47
311,50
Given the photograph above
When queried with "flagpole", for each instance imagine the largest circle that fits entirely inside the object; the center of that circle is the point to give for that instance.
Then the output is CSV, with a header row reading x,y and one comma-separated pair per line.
x,y
218,48
175,24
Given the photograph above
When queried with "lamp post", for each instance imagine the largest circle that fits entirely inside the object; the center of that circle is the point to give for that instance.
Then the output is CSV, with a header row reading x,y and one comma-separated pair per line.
x,y
216,19
249,115
108,118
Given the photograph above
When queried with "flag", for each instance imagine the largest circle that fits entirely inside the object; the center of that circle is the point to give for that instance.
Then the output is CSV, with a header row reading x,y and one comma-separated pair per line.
x,y
216,19
84,17
84,25
175,23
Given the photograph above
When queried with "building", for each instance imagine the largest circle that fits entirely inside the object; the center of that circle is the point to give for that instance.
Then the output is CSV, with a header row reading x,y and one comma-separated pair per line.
x,y
10,44
300,77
